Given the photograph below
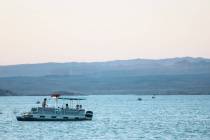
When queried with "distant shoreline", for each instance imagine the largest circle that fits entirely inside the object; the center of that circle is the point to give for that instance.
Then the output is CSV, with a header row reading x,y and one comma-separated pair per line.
x,y
108,94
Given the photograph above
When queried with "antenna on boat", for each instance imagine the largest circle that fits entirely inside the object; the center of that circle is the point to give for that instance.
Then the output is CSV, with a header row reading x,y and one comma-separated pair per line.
x,y
55,96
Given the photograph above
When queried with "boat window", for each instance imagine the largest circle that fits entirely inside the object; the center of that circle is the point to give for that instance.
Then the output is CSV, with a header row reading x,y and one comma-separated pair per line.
x,y
65,117
42,116
34,109
53,117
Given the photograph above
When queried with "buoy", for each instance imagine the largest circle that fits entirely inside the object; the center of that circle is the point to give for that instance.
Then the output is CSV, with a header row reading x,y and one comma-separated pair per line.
x,y
139,99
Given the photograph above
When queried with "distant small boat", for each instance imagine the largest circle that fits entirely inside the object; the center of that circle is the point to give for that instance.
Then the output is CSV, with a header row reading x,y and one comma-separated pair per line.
x,y
139,99
38,102
153,97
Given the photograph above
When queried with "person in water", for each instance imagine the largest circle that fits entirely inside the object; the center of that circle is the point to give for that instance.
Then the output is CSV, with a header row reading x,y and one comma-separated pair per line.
x,y
44,103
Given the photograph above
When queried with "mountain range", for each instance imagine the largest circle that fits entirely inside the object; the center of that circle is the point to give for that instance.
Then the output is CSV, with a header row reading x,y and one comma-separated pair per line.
x,y
184,75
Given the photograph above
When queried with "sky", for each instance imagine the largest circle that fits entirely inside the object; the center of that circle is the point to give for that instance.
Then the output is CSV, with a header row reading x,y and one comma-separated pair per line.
x,y
39,31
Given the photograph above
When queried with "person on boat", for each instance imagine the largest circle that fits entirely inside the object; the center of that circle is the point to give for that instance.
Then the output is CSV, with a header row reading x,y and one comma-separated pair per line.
x,y
67,106
44,103
77,107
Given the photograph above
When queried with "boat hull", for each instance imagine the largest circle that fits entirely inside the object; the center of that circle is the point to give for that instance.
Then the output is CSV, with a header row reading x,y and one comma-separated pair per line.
x,y
20,118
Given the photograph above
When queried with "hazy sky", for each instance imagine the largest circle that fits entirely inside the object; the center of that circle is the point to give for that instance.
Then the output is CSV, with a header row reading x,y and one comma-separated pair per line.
x,y
34,31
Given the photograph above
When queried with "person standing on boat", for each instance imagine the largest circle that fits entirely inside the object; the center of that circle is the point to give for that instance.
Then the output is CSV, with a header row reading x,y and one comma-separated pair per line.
x,y
67,106
44,103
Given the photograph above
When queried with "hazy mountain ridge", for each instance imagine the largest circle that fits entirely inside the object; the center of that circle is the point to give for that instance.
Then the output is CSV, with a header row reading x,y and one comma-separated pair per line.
x,y
186,65
138,76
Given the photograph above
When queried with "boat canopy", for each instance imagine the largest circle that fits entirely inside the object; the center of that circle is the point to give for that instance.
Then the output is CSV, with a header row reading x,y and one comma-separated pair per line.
x,y
76,99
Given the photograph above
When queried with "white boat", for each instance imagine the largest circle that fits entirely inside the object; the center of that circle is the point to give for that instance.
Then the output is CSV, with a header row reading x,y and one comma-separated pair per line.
x,y
56,113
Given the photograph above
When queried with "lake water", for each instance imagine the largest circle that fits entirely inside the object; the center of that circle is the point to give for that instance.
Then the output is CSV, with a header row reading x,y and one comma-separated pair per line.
x,y
116,117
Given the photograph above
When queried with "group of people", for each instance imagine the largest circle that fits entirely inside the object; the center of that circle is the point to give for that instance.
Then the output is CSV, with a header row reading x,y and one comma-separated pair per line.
x,y
44,104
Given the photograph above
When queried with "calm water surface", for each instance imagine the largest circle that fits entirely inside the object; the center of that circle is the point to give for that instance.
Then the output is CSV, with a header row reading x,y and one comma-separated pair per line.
x,y
115,118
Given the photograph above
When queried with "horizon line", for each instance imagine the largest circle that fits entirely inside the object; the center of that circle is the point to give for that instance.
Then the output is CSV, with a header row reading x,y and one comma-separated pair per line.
x,y
102,61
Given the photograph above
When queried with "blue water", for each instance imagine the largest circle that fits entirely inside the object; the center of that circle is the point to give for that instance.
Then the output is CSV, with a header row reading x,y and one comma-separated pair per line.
x,y
115,118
